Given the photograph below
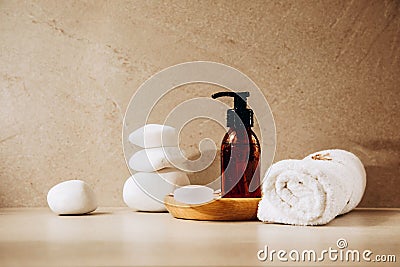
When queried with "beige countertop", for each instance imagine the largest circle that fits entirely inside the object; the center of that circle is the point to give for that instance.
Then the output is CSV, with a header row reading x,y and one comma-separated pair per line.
x,y
118,236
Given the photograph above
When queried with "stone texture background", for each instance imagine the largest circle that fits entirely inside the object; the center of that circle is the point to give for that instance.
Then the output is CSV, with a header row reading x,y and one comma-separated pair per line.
x,y
329,69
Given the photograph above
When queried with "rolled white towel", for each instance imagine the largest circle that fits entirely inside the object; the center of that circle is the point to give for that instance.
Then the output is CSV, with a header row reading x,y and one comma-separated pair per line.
x,y
358,174
314,190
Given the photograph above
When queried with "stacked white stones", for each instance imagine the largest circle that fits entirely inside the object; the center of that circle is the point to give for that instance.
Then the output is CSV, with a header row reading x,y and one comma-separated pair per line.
x,y
155,175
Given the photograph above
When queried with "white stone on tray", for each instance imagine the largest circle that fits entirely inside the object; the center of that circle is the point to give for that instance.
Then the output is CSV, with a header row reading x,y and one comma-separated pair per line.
x,y
194,194
71,197
153,159
154,135
145,191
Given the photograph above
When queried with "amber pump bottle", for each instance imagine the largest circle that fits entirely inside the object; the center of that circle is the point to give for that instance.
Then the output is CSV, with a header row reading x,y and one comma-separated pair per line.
x,y
240,151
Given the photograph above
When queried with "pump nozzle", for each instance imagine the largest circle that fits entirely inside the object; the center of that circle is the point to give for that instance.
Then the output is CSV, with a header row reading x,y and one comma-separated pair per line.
x,y
240,114
240,98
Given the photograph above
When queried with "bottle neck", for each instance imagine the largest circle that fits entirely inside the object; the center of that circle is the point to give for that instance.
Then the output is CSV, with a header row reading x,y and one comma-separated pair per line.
x,y
239,118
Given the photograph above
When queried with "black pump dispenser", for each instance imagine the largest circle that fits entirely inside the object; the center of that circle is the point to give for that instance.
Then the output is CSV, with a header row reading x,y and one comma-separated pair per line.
x,y
240,115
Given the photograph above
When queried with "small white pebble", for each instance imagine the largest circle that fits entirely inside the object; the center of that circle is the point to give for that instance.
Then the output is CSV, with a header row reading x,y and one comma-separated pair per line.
x,y
194,194
71,197
154,135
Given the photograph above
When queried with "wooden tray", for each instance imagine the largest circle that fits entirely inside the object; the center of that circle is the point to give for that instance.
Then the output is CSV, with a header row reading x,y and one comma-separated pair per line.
x,y
223,209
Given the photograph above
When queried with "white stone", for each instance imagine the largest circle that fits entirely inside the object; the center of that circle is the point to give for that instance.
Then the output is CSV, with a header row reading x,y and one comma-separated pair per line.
x,y
71,197
194,194
153,159
154,135
146,191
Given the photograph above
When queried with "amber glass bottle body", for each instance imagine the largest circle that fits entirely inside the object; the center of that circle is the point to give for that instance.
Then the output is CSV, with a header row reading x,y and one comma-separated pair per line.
x,y
240,157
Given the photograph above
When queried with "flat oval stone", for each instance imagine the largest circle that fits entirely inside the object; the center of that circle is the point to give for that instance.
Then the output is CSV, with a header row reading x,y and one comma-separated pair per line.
x,y
194,194
146,191
153,159
154,135
71,197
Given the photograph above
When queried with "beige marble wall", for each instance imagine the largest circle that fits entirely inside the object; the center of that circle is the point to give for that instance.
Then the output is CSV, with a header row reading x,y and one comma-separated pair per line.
x,y
329,69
